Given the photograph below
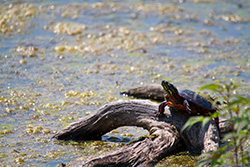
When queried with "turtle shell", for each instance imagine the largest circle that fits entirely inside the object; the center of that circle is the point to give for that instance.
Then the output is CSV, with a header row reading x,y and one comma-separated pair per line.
x,y
195,98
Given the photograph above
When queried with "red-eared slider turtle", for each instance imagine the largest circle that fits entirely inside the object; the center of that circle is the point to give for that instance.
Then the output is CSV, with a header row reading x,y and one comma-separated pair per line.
x,y
186,100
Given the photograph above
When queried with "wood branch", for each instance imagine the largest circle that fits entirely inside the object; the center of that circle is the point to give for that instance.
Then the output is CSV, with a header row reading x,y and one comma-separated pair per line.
x,y
141,113
112,115
153,92
144,153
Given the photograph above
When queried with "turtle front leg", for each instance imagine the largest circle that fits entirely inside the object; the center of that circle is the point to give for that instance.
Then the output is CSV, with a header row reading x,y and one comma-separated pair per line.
x,y
161,108
186,104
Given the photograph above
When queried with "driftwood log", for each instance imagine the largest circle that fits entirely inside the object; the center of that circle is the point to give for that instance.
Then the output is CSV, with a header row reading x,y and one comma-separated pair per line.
x,y
165,133
153,92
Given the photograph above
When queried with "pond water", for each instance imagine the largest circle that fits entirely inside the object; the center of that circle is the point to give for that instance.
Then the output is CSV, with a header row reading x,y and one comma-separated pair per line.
x,y
62,60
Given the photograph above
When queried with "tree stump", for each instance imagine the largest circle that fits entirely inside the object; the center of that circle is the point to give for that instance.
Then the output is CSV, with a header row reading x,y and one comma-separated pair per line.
x,y
165,133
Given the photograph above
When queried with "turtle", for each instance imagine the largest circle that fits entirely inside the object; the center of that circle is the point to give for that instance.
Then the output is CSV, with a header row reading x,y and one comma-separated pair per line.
x,y
186,100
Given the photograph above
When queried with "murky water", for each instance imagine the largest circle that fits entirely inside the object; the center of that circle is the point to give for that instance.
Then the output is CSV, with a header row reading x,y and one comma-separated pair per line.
x,y
62,60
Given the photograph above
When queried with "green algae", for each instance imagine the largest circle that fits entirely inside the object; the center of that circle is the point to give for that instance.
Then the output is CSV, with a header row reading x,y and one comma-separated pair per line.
x,y
183,159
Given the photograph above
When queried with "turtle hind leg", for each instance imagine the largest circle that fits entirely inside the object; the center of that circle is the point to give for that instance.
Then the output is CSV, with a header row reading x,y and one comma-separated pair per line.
x,y
186,104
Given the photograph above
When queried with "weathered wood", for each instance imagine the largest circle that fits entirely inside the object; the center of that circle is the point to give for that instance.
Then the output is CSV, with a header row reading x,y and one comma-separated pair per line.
x,y
109,117
141,113
153,92
145,153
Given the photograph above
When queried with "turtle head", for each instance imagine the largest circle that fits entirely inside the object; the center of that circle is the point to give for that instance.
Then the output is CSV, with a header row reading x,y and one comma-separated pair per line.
x,y
169,88
173,97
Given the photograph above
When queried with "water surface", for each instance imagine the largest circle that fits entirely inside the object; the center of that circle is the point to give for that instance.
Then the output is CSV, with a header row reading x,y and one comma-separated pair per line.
x,y
62,60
